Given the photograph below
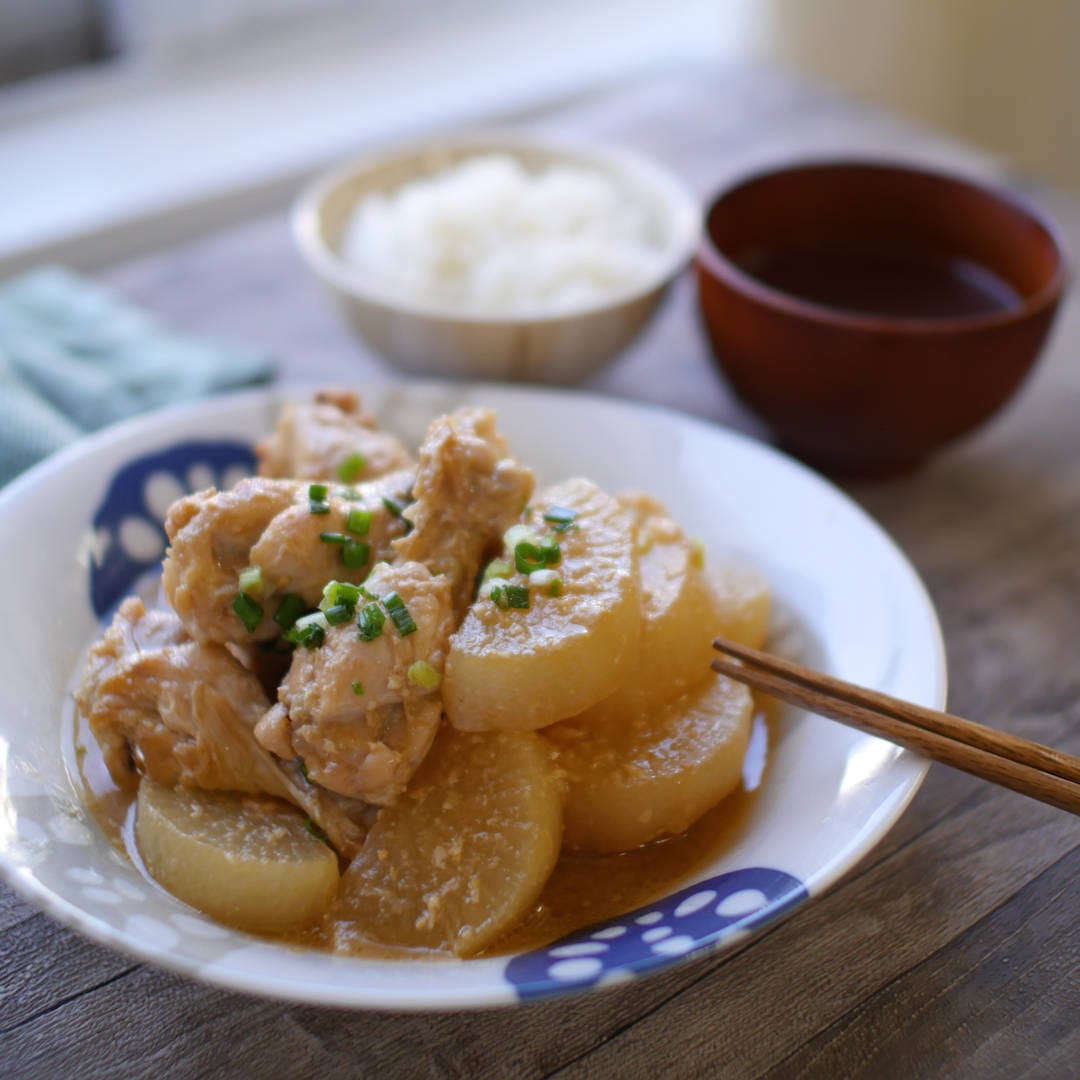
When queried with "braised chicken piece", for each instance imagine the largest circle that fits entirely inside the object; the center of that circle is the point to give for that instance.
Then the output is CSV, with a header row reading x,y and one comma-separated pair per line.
x,y
331,438
366,743
467,493
268,661
293,551
160,703
211,534
361,714
184,713
297,542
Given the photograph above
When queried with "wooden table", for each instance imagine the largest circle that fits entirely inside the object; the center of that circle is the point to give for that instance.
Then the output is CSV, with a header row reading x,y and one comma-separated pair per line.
x,y
952,950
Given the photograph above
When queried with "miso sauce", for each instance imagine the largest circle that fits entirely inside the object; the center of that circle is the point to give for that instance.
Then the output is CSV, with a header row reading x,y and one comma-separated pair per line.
x,y
583,890
890,284
588,889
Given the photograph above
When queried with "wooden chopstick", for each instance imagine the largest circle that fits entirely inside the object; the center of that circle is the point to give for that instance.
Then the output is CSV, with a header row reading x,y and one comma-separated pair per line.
x,y
1041,772
1002,743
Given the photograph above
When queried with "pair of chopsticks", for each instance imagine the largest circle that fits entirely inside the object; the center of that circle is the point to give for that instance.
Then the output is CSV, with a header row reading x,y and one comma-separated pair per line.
x,y
1040,772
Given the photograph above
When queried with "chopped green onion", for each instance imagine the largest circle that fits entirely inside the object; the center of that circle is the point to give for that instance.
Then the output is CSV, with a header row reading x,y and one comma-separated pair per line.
x,y
289,610
304,772
423,674
560,517
517,596
311,637
317,492
527,557
309,631
519,534
351,468
547,579
338,614
251,580
397,610
551,551
339,592
499,568
355,554
316,831
333,538
359,522
511,596
318,507
249,612
489,586
358,688
398,510
370,622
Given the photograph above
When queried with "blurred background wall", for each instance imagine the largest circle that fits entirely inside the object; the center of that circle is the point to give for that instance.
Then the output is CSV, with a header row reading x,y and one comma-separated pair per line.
x,y
40,36
178,117
1001,73
1004,74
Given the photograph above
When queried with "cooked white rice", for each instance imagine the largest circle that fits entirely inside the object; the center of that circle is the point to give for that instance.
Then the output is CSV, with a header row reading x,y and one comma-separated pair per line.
x,y
487,235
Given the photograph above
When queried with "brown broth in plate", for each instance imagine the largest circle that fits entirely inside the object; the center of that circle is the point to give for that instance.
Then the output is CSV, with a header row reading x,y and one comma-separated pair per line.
x,y
582,891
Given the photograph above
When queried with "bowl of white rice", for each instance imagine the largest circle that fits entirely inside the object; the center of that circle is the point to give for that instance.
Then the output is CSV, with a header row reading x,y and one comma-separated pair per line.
x,y
496,255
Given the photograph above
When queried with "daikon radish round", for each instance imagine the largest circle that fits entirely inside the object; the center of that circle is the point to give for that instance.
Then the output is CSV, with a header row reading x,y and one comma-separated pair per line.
x,y
632,782
244,860
676,617
740,602
516,670
464,854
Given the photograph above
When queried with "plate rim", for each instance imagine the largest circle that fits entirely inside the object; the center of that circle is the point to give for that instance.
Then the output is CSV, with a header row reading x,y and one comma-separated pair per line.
x,y
450,996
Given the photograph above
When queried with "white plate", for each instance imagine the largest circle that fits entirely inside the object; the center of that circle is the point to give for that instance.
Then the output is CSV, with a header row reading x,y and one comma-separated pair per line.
x,y
88,521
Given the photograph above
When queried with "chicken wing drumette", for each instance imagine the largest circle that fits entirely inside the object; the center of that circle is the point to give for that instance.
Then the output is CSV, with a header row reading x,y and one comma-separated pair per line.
x,y
467,493
184,712
330,438
297,542
362,710
361,714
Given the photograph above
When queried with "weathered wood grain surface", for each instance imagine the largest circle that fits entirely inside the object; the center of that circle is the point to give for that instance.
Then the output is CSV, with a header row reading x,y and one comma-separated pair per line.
x,y
952,950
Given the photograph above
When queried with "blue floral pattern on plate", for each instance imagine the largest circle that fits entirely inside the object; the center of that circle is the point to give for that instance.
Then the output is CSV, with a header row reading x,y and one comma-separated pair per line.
x,y
128,528
690,920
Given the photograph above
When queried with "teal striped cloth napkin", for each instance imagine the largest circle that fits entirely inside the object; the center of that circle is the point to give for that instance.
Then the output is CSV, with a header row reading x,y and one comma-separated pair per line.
x,y
74,358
